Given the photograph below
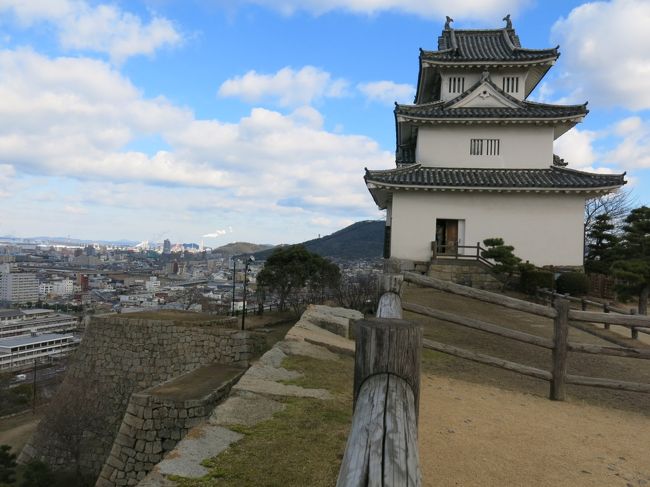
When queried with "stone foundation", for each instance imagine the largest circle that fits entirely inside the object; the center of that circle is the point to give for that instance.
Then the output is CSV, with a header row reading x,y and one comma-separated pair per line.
x,y
117,357
467,273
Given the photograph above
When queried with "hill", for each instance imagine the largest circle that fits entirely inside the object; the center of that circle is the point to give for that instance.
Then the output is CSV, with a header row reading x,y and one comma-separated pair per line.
x,y
237,248
361,240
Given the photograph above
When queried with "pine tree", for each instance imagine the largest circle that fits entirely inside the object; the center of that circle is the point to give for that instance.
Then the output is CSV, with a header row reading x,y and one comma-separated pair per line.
x,y
603,245
506,262
7,465
633,270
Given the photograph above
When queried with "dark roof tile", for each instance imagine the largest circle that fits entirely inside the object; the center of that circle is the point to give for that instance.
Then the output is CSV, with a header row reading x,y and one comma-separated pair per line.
x,y
448,177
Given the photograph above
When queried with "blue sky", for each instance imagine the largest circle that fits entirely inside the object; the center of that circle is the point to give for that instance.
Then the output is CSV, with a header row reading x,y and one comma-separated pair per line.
x,y
253,119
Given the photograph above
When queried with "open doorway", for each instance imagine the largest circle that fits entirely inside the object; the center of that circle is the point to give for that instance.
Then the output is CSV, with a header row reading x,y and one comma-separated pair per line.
x,y
449,235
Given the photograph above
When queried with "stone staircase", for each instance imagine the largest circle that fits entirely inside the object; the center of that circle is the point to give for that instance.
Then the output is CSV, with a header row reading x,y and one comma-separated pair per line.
x,y
466,272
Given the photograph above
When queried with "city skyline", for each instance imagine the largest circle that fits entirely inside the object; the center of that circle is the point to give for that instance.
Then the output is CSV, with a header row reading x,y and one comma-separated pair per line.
x,y
153,120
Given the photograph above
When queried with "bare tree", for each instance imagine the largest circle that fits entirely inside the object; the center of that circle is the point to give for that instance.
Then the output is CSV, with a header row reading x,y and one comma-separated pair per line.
x,y
359,292
617,205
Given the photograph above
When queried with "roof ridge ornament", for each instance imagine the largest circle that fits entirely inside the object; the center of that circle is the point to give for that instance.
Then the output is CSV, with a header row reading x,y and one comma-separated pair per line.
x,y
448,23
508,22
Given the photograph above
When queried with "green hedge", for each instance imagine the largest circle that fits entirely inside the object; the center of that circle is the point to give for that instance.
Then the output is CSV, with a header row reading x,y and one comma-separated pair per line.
x,y
574,283
532,280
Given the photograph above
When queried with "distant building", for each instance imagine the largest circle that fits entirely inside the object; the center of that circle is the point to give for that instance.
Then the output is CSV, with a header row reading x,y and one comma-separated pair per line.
x,y
16,322
167,247
17,287
22,352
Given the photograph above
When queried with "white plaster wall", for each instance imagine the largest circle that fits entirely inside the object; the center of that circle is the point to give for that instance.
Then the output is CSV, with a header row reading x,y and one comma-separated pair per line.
x,y
472,77
521,146
545,229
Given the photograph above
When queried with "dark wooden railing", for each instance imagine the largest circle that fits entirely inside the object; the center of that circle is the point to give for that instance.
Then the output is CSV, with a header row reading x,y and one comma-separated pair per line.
x,y
382,448
459,252
561,314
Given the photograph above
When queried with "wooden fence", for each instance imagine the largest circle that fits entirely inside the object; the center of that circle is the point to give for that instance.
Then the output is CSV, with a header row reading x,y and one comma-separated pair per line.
x,y
453,251
561,315
382,448
584,303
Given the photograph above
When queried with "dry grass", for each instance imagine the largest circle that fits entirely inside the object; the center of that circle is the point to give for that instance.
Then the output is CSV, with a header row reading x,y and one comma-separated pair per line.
x,y
301,446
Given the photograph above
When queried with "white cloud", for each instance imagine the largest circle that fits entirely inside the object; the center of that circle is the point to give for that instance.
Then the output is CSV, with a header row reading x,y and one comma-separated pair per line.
x,y
287,87
462,9
633,151
576,146
217,233
102,28
387,92
605,52
77,119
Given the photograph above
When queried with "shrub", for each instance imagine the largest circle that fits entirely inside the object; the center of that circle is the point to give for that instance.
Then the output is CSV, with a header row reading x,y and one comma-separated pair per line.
x,y
574,283
530,280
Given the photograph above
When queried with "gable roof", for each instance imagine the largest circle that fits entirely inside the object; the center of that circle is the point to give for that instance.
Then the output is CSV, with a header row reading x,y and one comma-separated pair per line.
x,y
521,109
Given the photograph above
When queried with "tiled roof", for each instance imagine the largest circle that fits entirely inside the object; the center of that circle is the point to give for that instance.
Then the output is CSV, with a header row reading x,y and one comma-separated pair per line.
x,y
484,45
525,110
447,177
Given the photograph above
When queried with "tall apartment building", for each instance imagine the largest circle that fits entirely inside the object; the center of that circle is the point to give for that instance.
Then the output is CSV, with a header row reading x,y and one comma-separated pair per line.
x,y
17,287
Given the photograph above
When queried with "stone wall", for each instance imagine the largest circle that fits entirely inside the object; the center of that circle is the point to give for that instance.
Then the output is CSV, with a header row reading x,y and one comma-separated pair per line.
x,y
153,424
467,273
119,356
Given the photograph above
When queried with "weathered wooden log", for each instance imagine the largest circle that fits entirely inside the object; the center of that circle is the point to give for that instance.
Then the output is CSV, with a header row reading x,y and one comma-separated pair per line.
x,y
382,447
607,383
487,360
389,306
480,325
479,294
390,283
612,351
560,340
638,321
388,346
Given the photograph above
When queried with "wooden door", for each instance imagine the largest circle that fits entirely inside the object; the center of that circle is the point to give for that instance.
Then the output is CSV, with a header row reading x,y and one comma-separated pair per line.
x,y
451,236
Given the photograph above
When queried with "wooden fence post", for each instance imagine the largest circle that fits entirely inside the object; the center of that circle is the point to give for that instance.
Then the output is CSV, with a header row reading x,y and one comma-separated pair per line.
x,y
583,304
560,340
390,292
388,346
633,330
606,310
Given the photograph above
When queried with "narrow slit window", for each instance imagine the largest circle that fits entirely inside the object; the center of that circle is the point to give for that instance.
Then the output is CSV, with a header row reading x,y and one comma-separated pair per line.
x,y
484,147
456,84
510,84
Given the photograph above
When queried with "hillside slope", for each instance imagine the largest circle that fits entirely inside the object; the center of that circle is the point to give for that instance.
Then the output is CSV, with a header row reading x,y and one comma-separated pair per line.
x,y
361,240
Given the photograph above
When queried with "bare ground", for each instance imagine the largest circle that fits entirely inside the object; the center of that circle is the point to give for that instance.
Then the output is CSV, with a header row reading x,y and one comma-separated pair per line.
x,y
482,426
16,430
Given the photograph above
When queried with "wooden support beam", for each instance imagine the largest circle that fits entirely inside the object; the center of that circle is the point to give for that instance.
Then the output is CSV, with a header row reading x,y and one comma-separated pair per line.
x,y
480,325
487,360
481,295
607,383
560,340
639,321
611,351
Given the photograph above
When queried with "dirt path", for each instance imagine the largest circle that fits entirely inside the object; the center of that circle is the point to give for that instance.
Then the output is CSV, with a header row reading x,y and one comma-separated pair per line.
x,y
481,435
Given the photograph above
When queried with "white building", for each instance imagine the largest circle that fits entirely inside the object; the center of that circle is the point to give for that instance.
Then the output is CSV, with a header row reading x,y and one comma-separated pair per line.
x,y
16,322
475,158
17,287
22,352
152,284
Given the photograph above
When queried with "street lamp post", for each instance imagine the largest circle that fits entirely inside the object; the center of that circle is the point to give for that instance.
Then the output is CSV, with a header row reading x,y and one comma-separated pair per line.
x,y
246,271
234,273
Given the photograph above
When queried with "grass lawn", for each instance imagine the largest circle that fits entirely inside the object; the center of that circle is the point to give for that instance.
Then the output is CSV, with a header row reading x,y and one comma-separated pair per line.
x,y
302,445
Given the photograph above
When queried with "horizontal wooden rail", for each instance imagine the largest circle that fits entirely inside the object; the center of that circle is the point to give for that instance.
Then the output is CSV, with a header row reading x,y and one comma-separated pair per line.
x,y
618,385
487,359
637,321
611,351
480,325
486,296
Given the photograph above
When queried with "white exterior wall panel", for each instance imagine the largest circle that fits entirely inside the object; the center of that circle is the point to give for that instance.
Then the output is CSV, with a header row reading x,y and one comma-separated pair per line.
x,y
520,146
545,229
